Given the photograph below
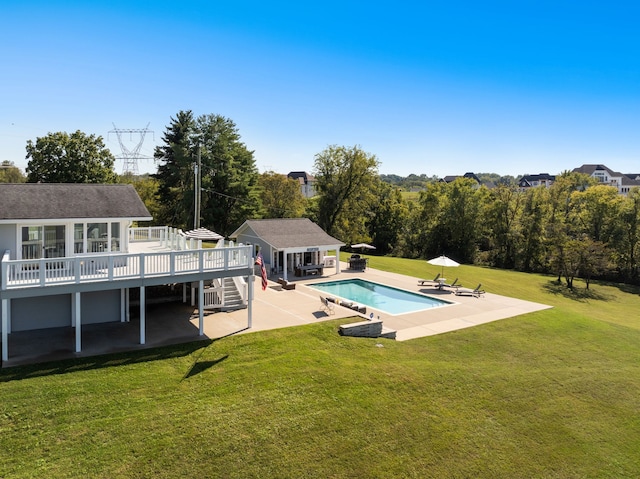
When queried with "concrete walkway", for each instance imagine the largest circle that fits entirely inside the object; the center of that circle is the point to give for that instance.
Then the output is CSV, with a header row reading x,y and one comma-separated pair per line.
x,y
174,323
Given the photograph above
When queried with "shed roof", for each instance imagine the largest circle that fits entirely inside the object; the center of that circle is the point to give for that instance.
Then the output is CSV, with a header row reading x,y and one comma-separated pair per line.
x,y
48,201
289,233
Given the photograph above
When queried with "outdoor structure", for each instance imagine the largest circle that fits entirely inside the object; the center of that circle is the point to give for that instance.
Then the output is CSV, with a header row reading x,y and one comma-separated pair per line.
x,y
606,176
291,245
70,256
306,182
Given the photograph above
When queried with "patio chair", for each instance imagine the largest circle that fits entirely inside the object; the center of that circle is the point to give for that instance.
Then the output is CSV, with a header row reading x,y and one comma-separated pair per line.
x,y
454,285
326,306
286,285
476,293
426,282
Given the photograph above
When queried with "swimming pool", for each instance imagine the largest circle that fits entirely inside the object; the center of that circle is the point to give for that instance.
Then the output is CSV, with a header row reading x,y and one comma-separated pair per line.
x,y
384,298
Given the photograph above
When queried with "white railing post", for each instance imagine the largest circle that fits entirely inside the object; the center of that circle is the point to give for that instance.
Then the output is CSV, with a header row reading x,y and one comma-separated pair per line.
x,y
172,265
141,256
4,282
43,272
77,264
110,273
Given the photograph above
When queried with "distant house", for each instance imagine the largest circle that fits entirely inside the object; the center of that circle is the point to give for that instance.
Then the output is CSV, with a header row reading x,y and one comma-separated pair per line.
x,y
291,245
451,178
306,181
533,181
69,255
623,182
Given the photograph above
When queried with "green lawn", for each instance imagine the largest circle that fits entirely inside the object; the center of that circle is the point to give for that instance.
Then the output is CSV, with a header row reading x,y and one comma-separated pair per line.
x,y
553,394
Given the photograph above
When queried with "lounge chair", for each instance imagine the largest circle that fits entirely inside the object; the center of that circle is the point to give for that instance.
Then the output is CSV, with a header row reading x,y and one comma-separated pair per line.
x,y
326,306
426,282
454,285
470,292
286,284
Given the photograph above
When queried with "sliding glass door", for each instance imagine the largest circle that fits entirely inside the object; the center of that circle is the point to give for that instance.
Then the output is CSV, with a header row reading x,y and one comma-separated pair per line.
x,y
43,241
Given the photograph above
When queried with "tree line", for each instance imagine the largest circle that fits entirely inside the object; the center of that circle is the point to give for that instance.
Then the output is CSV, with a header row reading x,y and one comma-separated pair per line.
x,y
575,228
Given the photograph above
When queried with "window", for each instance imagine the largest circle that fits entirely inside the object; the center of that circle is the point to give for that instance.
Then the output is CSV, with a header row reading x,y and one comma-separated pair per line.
x,y
115,237
78,238
43,242
97,237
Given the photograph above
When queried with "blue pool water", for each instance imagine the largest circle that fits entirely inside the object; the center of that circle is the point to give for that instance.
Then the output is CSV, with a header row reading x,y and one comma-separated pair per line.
x,y
385,298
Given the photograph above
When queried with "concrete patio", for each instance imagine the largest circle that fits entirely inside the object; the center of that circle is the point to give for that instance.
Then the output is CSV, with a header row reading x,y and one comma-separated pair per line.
x,y
173,323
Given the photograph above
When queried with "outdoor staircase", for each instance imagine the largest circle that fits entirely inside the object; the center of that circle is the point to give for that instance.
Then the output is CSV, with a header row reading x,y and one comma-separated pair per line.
x,y
232,297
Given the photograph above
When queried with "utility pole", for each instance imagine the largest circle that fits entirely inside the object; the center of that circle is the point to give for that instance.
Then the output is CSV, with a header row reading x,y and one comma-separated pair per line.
x,y
198,189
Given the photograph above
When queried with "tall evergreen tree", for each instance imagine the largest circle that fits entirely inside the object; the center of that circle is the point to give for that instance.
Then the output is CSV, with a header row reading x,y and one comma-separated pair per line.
x,y
229,192
176,172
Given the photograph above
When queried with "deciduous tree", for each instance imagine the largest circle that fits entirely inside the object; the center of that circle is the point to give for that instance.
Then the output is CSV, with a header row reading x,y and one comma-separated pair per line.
x,y
344,180
281,196
76,158
10,173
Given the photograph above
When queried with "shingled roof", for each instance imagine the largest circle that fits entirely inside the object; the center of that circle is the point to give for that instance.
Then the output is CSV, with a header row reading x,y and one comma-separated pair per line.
x,y
289,233
49,201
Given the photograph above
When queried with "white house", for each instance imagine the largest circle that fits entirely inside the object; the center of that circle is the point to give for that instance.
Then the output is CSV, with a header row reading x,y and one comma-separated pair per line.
x,y
69,256
291,245
306,181
623,182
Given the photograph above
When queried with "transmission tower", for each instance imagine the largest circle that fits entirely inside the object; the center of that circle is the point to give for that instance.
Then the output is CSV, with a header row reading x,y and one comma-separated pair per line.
x,y
130,157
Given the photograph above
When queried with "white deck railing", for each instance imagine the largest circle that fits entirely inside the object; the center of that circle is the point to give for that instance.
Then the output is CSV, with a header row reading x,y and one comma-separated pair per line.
x,y
114,267
149,233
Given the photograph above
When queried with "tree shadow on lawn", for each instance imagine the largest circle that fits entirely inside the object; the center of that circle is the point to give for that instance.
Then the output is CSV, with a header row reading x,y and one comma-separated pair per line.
x,y
582,295
16,373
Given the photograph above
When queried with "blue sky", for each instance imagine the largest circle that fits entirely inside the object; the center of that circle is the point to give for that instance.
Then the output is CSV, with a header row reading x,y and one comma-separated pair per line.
x,y
439,88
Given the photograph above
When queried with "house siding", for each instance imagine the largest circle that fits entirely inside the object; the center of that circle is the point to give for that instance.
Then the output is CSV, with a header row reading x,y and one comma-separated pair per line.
x,y
40,312
55,311
8,239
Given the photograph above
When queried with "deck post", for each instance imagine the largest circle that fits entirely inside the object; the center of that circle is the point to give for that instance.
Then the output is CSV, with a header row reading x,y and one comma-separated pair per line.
x,y
142,318
284,266
5,330
78,314
123,300
127,311
201,306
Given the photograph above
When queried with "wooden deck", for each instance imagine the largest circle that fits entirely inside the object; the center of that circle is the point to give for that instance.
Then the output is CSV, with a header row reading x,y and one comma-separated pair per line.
x,y
155,261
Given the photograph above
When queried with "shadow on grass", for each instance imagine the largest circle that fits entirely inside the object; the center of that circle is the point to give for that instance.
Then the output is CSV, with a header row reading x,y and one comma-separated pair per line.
x,y
200,366
576,293
17,373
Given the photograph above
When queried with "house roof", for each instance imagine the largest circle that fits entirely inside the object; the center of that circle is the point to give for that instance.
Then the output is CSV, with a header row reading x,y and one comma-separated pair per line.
x,y
49,201
289,233
527,180
590,169
451,178
301,176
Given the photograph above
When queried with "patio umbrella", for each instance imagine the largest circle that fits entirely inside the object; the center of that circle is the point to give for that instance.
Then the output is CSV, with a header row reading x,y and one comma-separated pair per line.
x,y
363,246
203,234
443,261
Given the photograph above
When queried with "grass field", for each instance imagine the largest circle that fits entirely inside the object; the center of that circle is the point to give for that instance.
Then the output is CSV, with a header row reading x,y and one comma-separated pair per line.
x,y
552,394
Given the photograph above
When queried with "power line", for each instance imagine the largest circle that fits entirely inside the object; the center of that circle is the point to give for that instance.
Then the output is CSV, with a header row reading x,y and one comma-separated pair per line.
x,y
130,157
